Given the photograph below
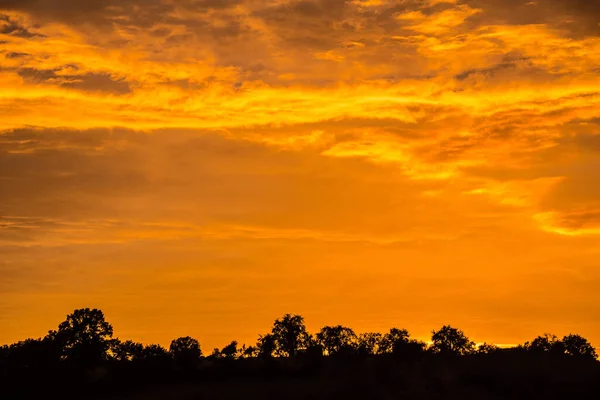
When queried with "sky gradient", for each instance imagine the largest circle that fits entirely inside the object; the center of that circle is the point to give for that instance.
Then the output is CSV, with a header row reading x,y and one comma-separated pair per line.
x,y
202,167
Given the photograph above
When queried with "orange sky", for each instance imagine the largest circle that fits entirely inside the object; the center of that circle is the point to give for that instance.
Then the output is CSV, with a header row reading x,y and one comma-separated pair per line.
x,y
201,167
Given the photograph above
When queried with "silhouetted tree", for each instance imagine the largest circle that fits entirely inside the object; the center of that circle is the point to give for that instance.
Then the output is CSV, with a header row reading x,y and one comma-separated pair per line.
x,y
546,343
314,348
84,337
32,354
408,350
369,343
393,336
185,351
248,351
266,345
578,346
155,355
449,340
216,354
289,333
337,339
486,348
61,361
127,351
230,351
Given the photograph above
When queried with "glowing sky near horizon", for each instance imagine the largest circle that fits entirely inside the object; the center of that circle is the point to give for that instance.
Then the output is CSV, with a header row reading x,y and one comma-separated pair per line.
x,y
201,167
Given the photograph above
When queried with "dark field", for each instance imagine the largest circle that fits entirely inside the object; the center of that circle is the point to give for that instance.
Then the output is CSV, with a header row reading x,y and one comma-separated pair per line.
x,y
506,375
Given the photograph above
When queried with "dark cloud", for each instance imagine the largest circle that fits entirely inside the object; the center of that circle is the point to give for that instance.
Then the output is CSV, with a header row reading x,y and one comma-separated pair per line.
x,y
13,55
576,18
93,82
96,11
307,21
579,220
13,28
106,13
510,62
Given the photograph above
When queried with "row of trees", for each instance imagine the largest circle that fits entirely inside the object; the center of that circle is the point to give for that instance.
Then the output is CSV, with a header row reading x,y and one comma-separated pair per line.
x,y
86,339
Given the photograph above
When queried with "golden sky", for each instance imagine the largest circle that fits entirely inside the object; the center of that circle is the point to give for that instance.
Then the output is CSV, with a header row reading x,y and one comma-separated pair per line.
x,y
201,167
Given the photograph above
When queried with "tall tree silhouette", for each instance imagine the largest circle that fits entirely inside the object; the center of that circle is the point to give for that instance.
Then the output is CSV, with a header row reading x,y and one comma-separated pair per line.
x,y
337,339
185,351
289,333
84,337
449,340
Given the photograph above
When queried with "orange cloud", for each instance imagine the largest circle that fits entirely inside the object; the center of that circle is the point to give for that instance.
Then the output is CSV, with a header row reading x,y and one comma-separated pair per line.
x,y
426,161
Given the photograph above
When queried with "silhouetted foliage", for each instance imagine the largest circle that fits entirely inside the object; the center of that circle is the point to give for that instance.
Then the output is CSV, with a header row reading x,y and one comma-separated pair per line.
x,y
33,353
337,339
289,334
84,337
248,351
216,354
546,343
409,350
230,351
578,346
487,348
127,351
314,349
155,355
81,357
393,336
266,345
369,343
186,351
449,340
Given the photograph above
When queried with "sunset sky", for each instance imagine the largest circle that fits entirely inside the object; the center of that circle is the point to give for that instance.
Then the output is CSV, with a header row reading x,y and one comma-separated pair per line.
x,y
201,167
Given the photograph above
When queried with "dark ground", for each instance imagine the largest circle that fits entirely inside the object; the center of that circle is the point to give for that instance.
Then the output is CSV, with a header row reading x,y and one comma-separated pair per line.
x,y
497,376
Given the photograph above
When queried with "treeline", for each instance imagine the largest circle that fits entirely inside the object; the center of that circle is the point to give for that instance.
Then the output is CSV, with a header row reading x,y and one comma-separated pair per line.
x,y
86,339
84,345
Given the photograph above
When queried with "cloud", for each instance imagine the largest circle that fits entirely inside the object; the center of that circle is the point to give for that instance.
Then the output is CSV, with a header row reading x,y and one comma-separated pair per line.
x,y
572,223
575,19
86,82
13,28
